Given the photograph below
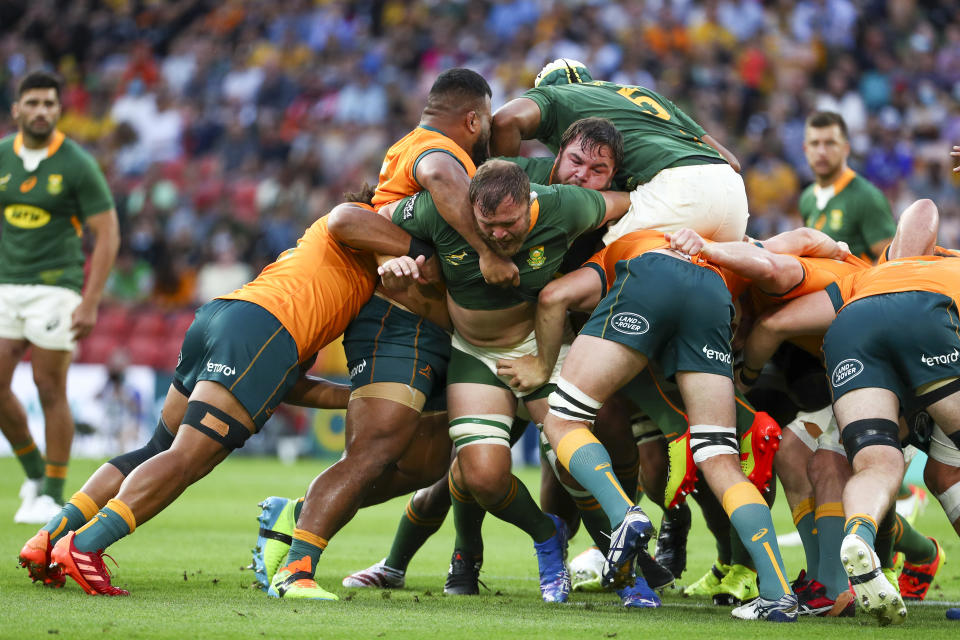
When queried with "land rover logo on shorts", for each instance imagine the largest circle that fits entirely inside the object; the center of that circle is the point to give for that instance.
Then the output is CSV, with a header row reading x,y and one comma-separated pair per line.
x,y
630,323
25,216
537,257
846,371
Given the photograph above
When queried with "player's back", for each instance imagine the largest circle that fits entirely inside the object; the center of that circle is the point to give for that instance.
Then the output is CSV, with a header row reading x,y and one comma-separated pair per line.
x,y
314,289
935,274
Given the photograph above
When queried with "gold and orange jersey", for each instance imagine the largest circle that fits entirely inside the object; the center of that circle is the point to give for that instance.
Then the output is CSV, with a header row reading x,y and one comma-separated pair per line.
x,y
314,289
935,274
398,173
817,274
643,241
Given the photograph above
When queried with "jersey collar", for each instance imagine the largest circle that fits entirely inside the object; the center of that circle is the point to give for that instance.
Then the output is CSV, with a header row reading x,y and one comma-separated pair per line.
x,y
840,183
55,142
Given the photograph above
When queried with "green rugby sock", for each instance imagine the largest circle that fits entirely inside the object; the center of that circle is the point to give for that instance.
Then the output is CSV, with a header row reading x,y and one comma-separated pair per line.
x,y
54,479
883,545
589,463
297,509
29,457
862,525
828,521
467,521
304,552
594,521
519,509
804,520
413,531
110,524
73,516
915,547
750,516
739,554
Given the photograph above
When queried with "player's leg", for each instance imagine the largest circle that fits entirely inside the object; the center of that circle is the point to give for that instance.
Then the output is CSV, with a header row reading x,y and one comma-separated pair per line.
x,y
13,424
708,398
50,376
829,471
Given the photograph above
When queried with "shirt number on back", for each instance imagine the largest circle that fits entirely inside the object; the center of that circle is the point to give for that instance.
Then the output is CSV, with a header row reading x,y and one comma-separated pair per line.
x,y
645,103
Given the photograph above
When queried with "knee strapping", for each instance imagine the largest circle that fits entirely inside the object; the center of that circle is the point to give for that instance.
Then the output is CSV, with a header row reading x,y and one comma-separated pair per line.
x,y
644,429
708,440
159,442
569,403
870,432
216,424
950,501
487,428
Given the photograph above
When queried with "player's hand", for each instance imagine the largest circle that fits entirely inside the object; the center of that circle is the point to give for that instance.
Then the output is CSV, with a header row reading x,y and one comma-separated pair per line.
x,y
956,154
526,372
430,271
83,319
686,241
843,251
499,271
399,273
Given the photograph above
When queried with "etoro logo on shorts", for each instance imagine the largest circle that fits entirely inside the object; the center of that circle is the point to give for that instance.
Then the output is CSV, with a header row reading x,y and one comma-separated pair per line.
x,y
846,371
630,323
216,367
946,358
713,354
358,368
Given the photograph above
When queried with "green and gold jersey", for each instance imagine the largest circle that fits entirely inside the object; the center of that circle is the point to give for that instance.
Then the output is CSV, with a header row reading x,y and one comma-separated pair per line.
x,y
558,215
539,170
851,210
44,210
656,134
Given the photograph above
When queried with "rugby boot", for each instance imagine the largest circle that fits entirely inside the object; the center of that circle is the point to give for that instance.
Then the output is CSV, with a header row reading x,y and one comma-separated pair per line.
x,y
85,567
35,557
915,579
656,575
554,577
274,537
708,584
800,585
737,587
672,540
626,541
783,609
757,449
586,569
875,594
379,576
813,601
463,576
639,595
681,471
296,581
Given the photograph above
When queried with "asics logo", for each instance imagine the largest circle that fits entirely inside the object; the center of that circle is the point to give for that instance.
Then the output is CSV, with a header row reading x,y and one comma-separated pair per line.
x,y
358,368
713,354
947,358
846,371
216,367
759,534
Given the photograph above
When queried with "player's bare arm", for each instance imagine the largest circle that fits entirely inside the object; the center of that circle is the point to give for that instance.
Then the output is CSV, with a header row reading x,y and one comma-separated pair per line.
x,y
723,151
579,290
360,228
916,231
617,202
106,243
809,243
316,393
514,122
448,184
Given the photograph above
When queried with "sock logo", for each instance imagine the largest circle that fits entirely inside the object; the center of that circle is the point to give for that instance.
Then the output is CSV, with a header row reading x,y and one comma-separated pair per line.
x,y
602,465
759,534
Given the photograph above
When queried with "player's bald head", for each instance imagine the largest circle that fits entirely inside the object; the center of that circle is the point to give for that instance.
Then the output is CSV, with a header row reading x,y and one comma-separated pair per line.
x,y
457,91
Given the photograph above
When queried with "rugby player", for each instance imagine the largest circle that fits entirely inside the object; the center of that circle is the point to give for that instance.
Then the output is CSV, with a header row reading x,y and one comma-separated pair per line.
x,y
50,189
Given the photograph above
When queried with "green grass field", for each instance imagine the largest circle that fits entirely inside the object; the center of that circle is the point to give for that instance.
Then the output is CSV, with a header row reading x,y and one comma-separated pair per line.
x,y
183,572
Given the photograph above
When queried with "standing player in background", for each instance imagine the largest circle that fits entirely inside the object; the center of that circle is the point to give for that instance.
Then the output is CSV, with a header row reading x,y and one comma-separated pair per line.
x,y
839,202
50,188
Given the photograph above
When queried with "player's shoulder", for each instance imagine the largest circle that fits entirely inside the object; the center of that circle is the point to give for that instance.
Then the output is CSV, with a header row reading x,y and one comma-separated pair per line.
x,y
76,152
861,184
6,143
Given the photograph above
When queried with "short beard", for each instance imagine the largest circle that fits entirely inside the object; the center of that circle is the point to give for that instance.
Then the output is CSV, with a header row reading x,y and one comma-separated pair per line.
x,y
480,152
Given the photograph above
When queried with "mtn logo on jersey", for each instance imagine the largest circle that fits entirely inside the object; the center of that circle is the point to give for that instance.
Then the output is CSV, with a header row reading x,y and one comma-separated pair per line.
x,y
26,216
947,358
846,371
538,257
713,354
455,259
630,323
216,367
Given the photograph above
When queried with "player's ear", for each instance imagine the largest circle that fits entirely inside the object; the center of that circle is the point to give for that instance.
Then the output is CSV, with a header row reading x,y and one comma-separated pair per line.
x,y
472,121
15,108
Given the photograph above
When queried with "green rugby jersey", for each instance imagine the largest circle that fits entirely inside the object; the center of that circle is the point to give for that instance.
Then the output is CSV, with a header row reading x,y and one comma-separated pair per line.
x,y
857,213
656,133
562,213
44,210
539,169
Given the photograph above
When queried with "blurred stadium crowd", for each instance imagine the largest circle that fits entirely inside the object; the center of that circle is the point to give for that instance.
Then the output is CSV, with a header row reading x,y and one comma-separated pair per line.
x,y
225,128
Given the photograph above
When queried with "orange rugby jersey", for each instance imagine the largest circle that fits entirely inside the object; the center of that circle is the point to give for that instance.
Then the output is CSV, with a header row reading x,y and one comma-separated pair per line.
x,y
636,244
935,274
817,274
397,173
314,289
